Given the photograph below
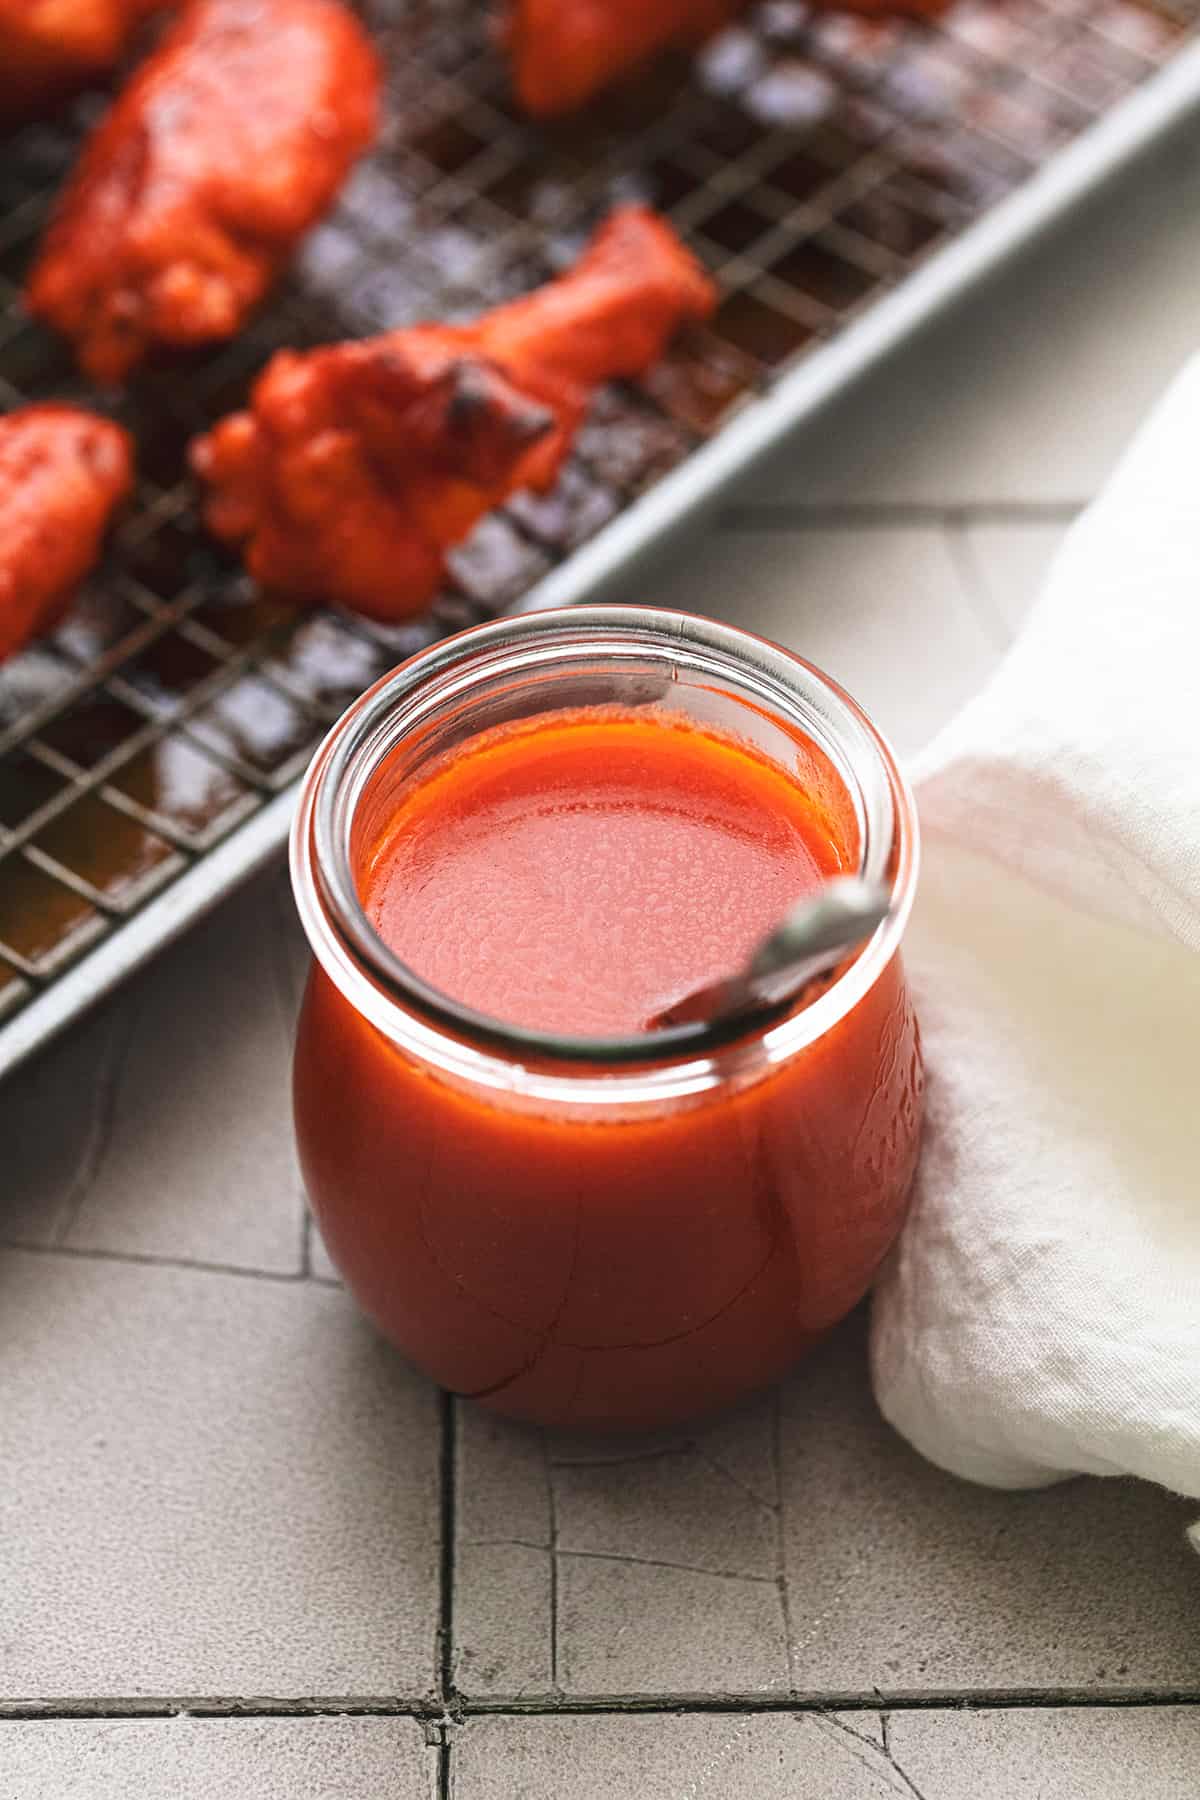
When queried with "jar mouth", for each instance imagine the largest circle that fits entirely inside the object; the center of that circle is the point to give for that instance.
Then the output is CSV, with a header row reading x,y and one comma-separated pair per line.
x,y
534,646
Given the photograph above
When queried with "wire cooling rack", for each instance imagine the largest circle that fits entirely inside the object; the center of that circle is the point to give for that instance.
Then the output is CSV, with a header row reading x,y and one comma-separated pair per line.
x,y
812,160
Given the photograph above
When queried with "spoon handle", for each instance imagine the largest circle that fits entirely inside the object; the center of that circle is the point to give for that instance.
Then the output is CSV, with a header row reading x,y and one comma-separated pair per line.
x,y
809,941
846,911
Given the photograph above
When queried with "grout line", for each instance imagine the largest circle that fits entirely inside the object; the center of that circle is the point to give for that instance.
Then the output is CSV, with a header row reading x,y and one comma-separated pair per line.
x,y
444,1777
306,1258
550,1706
445,1632
449,1528
144,1259
160,1707
658,1562
781,1574
901,1700
552,1521
981,1699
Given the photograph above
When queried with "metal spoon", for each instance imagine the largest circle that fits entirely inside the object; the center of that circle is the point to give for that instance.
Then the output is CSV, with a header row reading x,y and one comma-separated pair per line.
x,y
808,941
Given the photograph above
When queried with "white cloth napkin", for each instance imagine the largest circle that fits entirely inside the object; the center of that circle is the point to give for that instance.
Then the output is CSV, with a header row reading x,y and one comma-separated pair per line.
x,y
1040,1316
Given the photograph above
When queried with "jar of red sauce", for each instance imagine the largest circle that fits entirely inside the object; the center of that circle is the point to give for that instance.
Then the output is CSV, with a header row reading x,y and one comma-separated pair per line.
x,y
607,1230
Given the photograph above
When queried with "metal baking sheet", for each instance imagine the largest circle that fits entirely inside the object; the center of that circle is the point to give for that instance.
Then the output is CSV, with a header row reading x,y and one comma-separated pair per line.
x,y
844,181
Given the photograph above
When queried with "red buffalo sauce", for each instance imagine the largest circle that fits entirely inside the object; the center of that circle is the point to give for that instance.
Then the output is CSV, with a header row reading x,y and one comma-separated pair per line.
x,y
567,1235
578,874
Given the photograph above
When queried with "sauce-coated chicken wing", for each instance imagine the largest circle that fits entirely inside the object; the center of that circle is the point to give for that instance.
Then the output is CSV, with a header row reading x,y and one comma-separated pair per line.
x,y
357,467
565,51
228,144
50,47
62,474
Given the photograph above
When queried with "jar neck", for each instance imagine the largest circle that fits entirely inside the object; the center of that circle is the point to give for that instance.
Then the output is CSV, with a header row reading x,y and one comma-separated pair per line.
x,y
517,668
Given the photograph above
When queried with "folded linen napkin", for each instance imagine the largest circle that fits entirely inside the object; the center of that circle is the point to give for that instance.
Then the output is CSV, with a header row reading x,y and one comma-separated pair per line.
x,y
1040,1316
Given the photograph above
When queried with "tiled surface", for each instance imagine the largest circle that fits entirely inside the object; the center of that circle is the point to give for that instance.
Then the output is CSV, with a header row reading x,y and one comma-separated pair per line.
x,y
49,1129
213,1486
854,600
631,1628
900,1577
167,1131
219,1492
801,1545
1009,1755
223,1759
1136,1753
667,1758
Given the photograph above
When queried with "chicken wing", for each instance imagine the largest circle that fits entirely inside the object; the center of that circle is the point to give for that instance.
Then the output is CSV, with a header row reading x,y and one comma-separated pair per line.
x,y
62,474
50,47
565,51
357,467
228,144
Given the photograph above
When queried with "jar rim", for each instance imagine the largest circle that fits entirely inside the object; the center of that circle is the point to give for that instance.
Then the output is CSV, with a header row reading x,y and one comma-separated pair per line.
x,y
409,1009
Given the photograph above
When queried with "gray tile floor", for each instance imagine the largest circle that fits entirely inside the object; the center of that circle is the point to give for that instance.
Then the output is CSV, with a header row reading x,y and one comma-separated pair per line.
x,y
244,1551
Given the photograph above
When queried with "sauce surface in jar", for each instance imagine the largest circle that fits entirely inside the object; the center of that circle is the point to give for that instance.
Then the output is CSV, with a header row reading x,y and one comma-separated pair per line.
x,y
580,873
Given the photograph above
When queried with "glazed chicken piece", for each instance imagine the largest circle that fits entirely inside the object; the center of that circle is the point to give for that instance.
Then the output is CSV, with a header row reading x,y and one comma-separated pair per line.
x,y
48,48
357,467
63,473
228,144
565,51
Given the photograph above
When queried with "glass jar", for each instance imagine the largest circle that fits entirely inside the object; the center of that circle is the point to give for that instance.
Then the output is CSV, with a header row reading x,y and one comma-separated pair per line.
x,y
608,1233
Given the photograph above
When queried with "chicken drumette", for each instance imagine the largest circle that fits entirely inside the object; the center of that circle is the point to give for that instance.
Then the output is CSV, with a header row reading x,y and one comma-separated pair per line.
x,y
228,144
358,467
62,474
50,47
565,51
